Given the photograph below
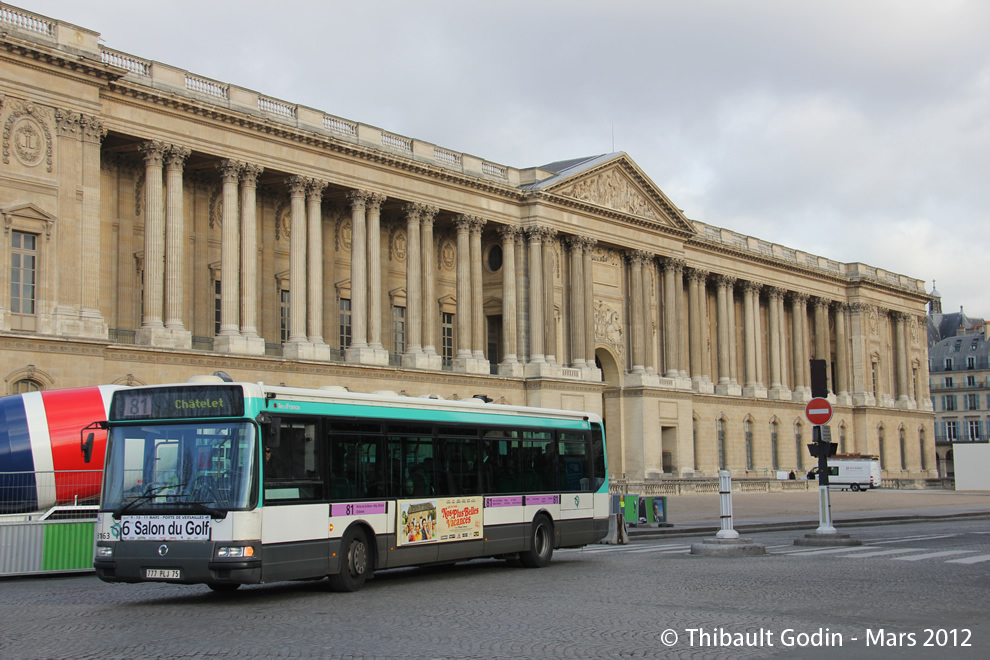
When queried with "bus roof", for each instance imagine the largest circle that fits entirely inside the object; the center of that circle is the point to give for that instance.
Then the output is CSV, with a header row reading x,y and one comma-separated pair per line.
x,y
338,395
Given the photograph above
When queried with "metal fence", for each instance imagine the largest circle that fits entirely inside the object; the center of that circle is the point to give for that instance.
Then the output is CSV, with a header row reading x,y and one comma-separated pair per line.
x,y
34,491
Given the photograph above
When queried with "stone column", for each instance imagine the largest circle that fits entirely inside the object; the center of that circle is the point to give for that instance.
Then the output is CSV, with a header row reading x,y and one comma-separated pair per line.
x,y
683,323
576,247
358,350
822,343
230,262
374,269
841,356
799,313
722,284
696,282
773,296
784,362
549,315
749,332
464,353
254,344
314,269
510,365
431,312
175,264
635,302
414,357
522,298
589,309
92,322
730,302
536,357
477,298
297,266
154,244
901,360
649,347
672,269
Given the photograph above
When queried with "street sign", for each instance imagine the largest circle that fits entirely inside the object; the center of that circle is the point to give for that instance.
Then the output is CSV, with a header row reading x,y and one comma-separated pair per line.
x,y
818,411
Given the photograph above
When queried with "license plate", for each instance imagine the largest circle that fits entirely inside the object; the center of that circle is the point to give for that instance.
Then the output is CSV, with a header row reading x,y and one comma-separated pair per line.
x,y
162,574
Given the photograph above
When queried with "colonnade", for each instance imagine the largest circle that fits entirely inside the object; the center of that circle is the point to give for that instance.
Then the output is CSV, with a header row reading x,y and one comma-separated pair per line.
x,y
674,343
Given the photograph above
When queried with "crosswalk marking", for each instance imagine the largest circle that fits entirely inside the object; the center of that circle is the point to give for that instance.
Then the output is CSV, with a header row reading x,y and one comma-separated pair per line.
x,y
883,553
932,555
909,539
969,560
832,551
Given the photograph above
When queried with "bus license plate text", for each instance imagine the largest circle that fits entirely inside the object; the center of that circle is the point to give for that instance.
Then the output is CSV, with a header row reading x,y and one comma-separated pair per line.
x,y
162,574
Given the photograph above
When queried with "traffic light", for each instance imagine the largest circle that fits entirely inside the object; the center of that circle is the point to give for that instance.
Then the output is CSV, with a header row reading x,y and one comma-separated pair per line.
x,y
832,448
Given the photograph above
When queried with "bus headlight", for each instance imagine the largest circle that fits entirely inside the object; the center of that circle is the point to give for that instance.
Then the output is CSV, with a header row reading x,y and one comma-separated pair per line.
x,y
104,552
235,551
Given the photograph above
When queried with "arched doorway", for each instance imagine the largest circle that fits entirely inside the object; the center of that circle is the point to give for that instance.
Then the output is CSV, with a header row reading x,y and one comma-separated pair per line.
x,y
612,409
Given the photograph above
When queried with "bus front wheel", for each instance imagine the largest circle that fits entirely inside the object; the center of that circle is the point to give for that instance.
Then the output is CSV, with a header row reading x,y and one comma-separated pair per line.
x,y
354,565
541,545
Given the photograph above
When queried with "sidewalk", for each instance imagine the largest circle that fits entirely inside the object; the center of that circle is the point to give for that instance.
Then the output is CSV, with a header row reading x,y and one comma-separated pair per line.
x,y
699,513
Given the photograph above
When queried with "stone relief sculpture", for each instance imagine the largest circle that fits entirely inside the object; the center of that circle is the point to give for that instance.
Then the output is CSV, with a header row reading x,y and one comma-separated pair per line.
x,y
613,190
608,326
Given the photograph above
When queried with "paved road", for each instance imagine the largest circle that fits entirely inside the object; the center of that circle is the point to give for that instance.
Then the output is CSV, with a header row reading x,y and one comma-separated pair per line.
x,y
601,602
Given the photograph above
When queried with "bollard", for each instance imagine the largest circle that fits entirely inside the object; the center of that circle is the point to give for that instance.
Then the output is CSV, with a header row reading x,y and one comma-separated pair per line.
x,y
725,506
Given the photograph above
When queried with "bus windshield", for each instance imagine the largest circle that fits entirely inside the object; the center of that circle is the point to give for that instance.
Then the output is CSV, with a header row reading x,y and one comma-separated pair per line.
x,y
203,467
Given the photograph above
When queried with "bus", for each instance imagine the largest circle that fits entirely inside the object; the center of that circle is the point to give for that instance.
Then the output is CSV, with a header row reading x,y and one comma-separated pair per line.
x,y
222,483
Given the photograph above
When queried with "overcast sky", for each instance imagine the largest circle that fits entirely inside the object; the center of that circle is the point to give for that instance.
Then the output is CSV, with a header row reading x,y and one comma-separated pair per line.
x,y
858,130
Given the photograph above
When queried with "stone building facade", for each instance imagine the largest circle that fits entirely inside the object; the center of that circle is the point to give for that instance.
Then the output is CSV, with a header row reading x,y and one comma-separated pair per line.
x,y
158,224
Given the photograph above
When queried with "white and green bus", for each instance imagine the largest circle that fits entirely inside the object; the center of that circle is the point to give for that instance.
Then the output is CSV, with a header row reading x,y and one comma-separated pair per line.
x,y
220,483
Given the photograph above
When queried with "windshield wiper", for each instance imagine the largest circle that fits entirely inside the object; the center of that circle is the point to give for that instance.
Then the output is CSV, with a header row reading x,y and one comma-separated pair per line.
x,y
150,492
215,513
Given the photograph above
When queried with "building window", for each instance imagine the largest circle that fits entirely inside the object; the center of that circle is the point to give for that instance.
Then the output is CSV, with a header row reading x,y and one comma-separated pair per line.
x,y
971,401
881,448
398,329
974,428
948,382
842,439
773,446
447,335
921,447
903,447
216,307
799,447
26,385
749,445
971,362
951,431
494,259
970,381
948,364
345,323
948,402
720,433
875,380
494,342
23,280
283,315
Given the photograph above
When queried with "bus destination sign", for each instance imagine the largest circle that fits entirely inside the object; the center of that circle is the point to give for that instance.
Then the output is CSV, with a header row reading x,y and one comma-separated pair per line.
x,y
177,402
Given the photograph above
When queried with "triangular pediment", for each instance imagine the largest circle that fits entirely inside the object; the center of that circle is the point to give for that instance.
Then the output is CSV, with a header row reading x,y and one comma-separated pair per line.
x,y
28,217
617,183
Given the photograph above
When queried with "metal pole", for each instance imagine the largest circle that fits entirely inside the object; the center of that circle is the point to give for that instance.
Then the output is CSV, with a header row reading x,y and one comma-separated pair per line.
x,y
725,506
824,506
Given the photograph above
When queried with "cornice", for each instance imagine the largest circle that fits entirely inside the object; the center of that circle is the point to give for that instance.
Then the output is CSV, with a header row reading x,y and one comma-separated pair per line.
x,y
126,89
782,264
75,63
548,198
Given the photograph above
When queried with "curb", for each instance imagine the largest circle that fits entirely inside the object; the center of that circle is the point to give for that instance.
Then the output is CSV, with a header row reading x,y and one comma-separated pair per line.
x,y
673,532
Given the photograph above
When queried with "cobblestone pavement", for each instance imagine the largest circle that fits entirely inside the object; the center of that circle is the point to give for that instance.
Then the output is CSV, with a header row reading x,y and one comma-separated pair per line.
x,y
601,604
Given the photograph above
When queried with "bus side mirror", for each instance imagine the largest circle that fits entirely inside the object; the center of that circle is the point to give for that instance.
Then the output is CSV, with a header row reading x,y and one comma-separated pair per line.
x,y
87,447
271,429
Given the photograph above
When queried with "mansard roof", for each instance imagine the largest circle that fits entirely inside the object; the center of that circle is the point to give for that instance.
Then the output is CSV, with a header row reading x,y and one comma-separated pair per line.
x,y
946,326
613,181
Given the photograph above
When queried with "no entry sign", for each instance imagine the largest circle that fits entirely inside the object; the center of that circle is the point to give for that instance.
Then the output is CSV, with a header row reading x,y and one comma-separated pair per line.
x,y
818,411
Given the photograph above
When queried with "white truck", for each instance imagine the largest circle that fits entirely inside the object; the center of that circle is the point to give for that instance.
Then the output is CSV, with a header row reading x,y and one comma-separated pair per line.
x,y
852,471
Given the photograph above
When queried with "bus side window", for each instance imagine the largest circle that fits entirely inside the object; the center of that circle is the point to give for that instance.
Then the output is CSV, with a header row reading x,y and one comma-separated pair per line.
x,y
575,463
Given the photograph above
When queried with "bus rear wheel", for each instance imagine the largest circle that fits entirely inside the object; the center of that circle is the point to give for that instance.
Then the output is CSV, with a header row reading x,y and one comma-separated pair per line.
x,y
541,545
355,564
855,487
